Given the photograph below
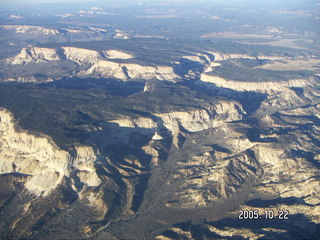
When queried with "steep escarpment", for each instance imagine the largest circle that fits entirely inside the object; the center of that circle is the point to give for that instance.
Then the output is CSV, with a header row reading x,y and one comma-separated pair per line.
x,y
44,164
209,67
282,167
124,71
127,71
36,157
277,73
90,63
190,121
172,159
30,29
211,174
255,86
116,54
26,34
219,56
34,55
80,55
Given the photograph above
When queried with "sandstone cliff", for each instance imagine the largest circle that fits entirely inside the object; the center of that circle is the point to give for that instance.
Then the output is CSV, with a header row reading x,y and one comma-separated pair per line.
x,y
116,54
81,55
192,121
92,64
41,160
127,71
256,86
219,56
37,157
34,55
283,166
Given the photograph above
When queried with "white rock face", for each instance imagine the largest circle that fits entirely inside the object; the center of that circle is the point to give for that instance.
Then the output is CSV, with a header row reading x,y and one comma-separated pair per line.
x,y
28,79
30,29
34,55
220,176
92,64
123,71
40,159
223,56
157,137
255,86
81,55
84,164
127,71
138,122
121,35
116,54
211,67
285,98
213,173
25,153
193,121
199,120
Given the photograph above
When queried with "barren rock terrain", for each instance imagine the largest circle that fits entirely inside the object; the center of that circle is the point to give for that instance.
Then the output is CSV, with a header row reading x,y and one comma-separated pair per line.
x,y
149,120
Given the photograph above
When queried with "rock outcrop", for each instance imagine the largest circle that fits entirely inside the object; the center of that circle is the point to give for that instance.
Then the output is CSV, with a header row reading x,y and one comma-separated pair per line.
x,y
27,29
81,55
242,86
84,165
44,164
93,64
192,121
218,56
116,54
127,71
282,168
34,55
28,79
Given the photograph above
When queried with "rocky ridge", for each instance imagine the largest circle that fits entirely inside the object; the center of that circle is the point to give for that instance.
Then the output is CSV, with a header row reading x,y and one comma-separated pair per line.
x,y
93,64
41,160
196,66
192,121
34,55
38,157
211,158
30,29
257,86
286,176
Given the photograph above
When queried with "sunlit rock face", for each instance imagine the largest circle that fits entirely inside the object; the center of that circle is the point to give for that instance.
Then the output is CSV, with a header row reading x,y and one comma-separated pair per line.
x,y
282,168
81,55
34,55
84,166
139,128
193,121
47,165
255,86
44,164
116,54
38,157
92,64
30,29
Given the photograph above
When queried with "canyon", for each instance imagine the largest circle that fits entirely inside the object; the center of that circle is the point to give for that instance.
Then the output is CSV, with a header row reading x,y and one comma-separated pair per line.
x,y
159,120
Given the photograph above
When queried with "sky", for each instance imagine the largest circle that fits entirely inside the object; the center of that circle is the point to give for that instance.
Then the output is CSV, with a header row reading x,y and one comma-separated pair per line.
x,y
251,3
80,1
